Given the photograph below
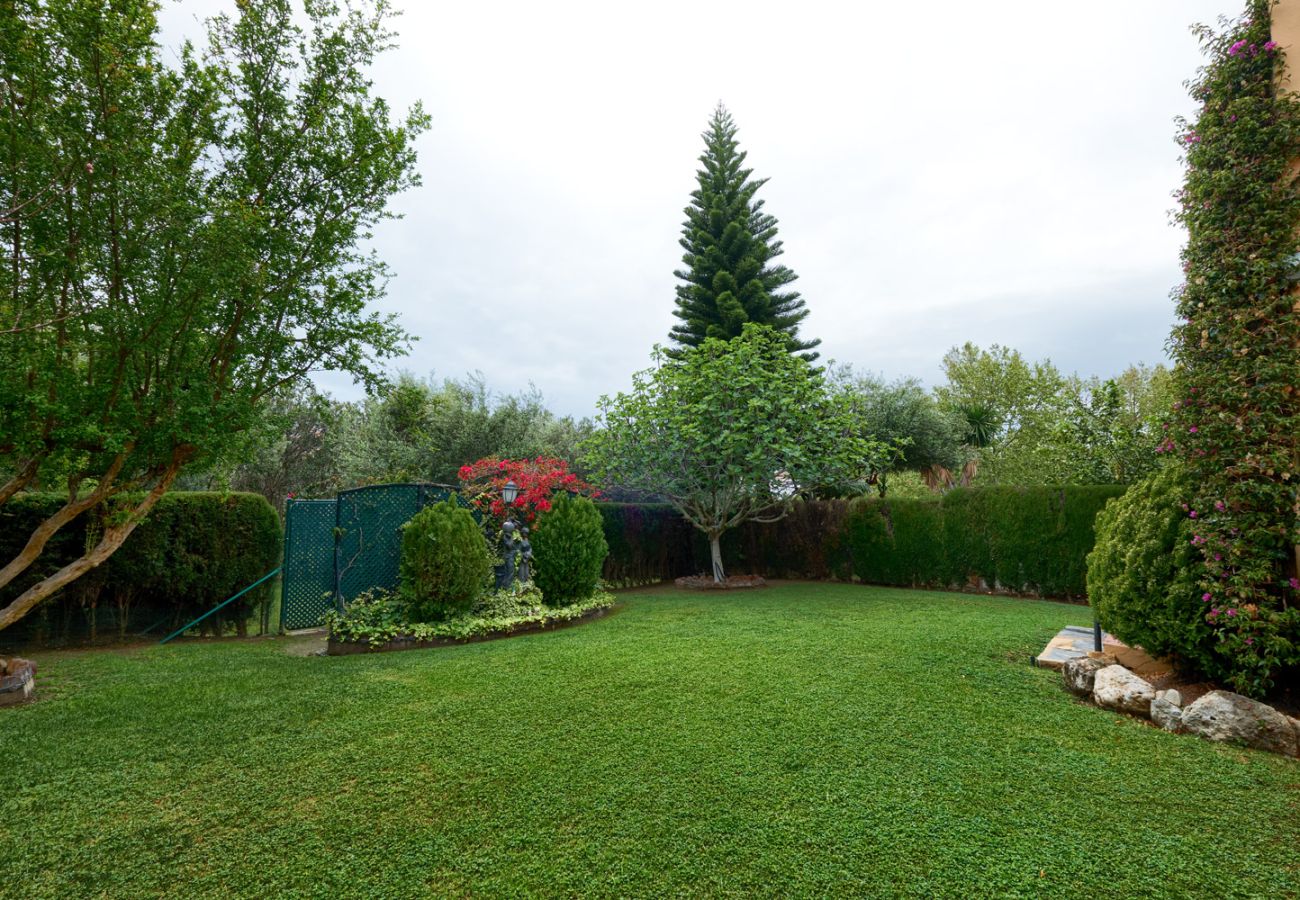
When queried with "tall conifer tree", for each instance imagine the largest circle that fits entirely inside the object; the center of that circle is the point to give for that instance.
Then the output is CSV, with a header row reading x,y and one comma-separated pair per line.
x,y
729,277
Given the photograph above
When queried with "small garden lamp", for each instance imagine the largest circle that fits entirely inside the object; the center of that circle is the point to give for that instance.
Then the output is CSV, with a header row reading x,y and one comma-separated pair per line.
x,y
509,492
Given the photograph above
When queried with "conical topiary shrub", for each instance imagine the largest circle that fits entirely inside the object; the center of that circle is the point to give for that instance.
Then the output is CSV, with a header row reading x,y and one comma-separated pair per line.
x,y
569,548
445,563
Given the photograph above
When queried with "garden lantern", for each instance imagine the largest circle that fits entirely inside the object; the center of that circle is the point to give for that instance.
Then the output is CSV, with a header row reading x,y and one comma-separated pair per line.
x,y
509,492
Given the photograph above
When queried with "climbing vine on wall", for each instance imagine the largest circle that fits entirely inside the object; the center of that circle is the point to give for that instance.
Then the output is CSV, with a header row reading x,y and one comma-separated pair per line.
x,y
1236,425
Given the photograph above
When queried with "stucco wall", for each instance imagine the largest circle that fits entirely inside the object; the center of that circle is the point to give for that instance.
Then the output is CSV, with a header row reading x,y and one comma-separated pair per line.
x,y
1286,31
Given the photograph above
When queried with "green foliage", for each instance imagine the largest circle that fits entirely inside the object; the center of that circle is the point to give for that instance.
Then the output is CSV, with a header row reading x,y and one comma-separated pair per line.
x,y
729,275
1141,579
517,600
897,542
902,414
195,550
647,542
310,445
733,432
1028,424
810,740
1026,540
420,430
1236,425
378,617
184,233
446,564
810,541
569,547
1023,540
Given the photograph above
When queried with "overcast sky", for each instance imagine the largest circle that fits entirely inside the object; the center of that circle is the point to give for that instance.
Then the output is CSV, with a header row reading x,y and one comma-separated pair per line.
x,y
942,172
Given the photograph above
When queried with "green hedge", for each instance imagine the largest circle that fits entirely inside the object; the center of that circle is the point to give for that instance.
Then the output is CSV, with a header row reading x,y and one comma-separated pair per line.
x,y
1022,540
648,542
193,551
1032,540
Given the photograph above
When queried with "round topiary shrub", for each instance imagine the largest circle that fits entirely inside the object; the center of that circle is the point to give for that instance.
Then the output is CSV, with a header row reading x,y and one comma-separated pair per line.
x,y
1142,573
446,564
569,548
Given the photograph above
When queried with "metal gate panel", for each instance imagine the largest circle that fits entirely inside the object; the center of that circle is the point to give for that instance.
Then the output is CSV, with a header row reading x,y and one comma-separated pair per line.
x,y
307,582
368,551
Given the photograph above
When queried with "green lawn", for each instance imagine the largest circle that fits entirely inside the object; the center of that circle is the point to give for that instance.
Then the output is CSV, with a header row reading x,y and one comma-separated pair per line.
x,y
806,739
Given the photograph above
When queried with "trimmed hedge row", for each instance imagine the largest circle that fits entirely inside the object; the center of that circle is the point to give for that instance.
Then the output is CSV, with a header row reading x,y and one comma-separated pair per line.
x,y
648,542
1032,540
193,551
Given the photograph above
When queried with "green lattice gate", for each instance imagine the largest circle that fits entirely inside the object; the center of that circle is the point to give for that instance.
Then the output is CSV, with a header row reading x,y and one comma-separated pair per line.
x,y
307,580
337,549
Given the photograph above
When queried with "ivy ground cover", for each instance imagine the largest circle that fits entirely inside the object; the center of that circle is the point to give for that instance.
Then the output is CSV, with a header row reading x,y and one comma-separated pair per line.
x,y
806,739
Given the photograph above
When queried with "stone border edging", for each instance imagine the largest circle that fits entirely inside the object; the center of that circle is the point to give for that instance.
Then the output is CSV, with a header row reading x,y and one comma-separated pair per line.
x,y
1218,716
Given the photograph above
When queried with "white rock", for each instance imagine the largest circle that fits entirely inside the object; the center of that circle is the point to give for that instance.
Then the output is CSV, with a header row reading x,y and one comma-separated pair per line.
x,y
1116,687
1225,716
1167,710
1080,673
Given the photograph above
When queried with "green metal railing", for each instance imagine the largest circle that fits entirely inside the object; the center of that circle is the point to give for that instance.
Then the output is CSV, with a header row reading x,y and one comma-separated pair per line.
x,y
184,628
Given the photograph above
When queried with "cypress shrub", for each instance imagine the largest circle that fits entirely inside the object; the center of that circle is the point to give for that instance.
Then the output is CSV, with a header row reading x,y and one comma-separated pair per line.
x,y
809,542
967,556
569,545
445,565
917,532
1141,578
202,546
193,551
1031,540
1024,540
871,541
648,542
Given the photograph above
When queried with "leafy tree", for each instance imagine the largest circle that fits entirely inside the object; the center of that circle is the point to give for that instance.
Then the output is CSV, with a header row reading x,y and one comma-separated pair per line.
x,y
1027,423
182,242
732,432
1109,430
729,277
293,450
903,414
423,431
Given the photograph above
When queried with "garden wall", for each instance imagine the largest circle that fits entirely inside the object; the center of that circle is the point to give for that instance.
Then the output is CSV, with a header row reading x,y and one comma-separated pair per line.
x,y
194,550
1021,540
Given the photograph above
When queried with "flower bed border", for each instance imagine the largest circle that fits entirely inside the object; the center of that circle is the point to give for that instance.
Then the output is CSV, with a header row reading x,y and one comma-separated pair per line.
x,y
335,647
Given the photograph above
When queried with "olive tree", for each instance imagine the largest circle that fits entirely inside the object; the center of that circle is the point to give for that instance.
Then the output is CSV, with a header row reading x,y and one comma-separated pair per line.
x,y
733,431
181,240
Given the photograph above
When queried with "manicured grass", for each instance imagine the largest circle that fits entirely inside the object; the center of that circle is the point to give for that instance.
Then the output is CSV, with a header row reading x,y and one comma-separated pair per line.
x,y
806,739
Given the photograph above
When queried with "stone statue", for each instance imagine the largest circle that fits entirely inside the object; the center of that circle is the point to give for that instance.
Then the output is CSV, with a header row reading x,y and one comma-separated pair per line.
x,y
509,557
525,558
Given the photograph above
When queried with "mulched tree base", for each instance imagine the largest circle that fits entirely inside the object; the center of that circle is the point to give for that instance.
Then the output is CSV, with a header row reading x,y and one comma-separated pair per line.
x,y
733,582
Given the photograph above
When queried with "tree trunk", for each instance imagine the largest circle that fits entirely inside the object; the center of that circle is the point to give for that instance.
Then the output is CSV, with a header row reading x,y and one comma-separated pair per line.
x,y
47,529
715,550
113,537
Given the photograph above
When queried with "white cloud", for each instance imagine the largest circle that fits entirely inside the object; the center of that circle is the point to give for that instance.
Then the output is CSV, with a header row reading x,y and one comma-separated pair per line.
x,y
946,172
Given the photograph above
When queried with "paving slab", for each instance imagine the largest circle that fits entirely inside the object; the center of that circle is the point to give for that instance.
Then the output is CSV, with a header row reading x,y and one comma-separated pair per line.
x,y
1075,641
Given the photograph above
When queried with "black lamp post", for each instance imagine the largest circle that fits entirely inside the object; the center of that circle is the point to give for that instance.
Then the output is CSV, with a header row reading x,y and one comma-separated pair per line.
x,y
506,571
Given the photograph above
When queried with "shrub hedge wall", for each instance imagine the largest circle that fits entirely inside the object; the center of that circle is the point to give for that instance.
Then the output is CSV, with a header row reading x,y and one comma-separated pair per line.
x,y
1031,540
193,551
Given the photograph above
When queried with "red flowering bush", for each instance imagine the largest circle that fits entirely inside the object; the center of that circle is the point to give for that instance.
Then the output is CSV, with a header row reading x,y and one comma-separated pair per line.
x,y
538,480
